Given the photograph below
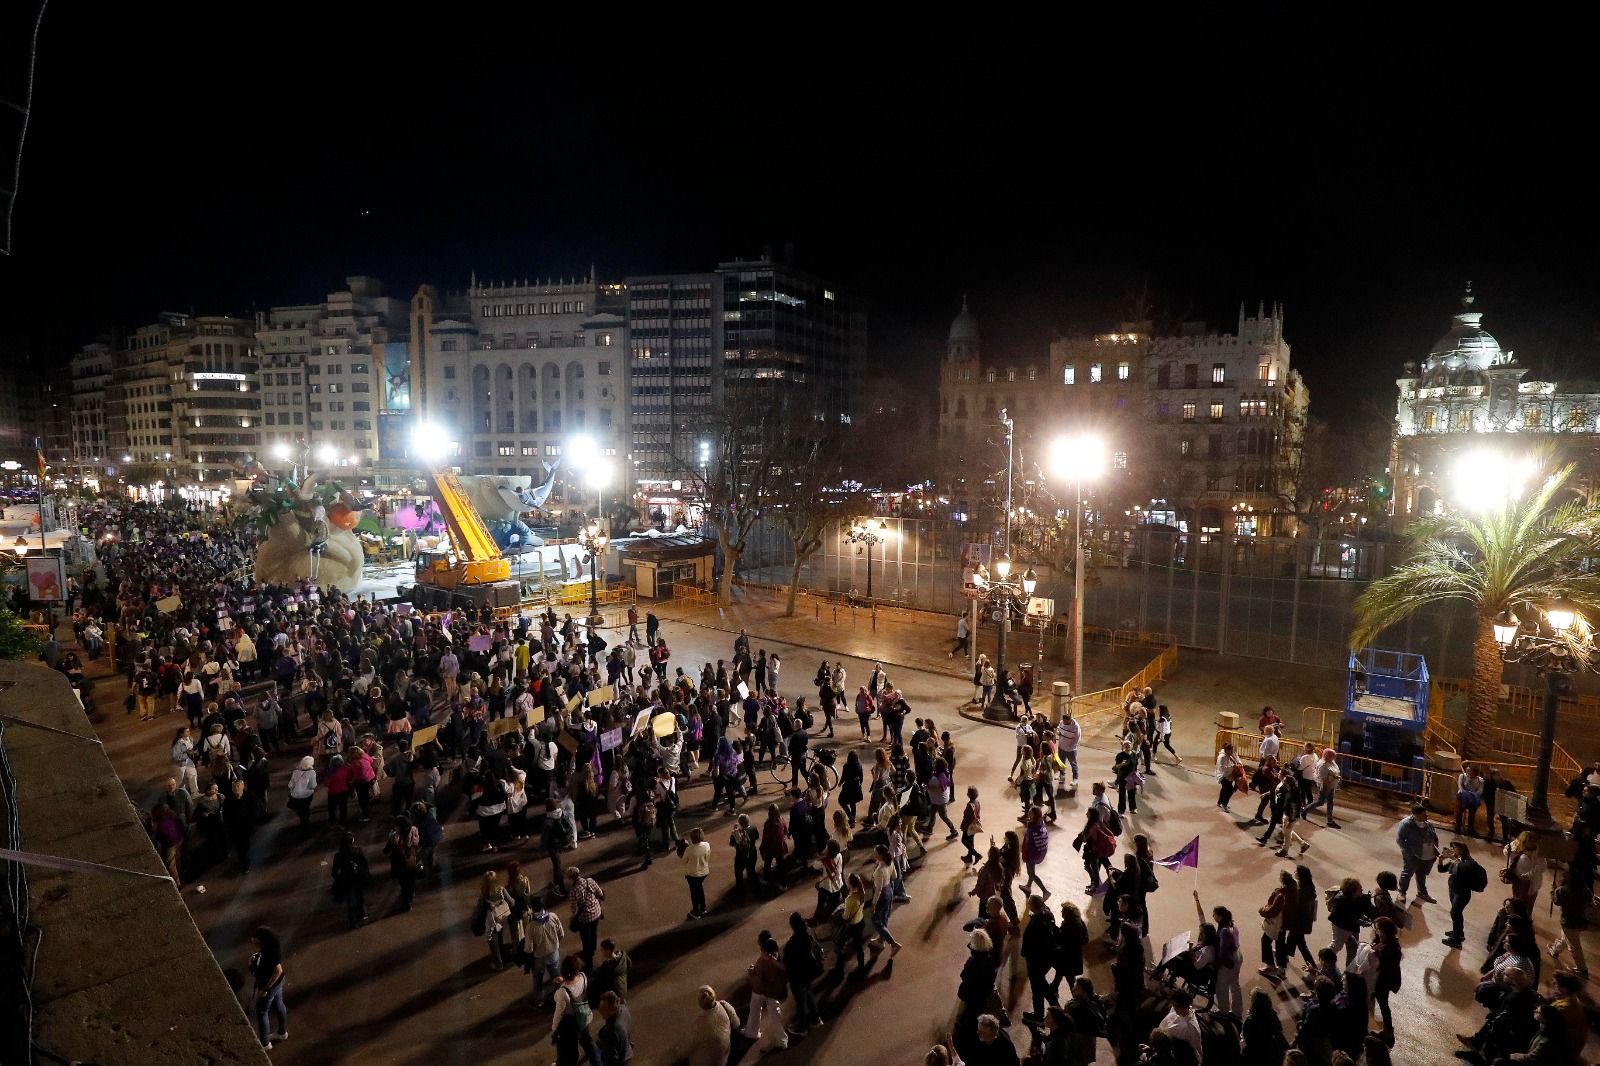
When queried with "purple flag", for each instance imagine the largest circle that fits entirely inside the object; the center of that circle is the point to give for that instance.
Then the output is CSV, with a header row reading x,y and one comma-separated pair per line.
x,y
1102,888
1188,855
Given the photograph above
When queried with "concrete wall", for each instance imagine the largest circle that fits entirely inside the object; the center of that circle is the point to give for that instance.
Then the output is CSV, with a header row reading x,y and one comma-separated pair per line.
x,y
123,975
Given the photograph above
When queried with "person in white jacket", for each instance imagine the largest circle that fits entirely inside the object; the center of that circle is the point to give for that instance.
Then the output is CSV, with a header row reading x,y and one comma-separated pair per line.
x,y
302,786
695,851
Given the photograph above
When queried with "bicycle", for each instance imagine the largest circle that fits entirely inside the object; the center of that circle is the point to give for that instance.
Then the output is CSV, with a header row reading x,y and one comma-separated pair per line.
x,y
819,761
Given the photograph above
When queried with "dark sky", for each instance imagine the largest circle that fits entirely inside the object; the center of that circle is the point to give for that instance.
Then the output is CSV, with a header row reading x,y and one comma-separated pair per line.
x,y
182,160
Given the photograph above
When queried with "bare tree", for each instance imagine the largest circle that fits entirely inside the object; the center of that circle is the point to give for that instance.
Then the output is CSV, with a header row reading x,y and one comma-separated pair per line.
x,y
737,473
811,489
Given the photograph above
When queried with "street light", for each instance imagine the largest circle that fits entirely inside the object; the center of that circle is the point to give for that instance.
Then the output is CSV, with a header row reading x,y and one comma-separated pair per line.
x,y
1078,457
1486,479
1557,648
327,454
867,533
1002,594
593,540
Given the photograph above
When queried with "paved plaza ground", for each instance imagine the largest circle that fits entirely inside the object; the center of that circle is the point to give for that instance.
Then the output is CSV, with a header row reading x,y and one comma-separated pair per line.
x,y
417,988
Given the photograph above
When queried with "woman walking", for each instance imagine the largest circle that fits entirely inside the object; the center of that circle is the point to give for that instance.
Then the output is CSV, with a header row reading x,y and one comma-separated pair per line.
x,y
941,791
491,915
884,878
266,969
864,709
1276,916
1035,846
1573,895
971,826
302,787
1229,770
570,1026
1303,920
696,855
774,843
830,886
850,786
1386,945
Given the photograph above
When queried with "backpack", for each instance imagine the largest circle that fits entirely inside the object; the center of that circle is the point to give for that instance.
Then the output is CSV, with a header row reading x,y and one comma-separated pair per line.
x,y
332,740
1112,821
1480,877
1104,844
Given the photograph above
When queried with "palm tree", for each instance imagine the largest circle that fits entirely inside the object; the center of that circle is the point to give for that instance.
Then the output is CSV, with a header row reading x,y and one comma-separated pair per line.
x,y
1512,558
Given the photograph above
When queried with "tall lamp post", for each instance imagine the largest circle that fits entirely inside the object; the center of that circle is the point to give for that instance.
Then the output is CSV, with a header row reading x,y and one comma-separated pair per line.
x,y
868,533
1078,458
1003,593
593,539
1557,646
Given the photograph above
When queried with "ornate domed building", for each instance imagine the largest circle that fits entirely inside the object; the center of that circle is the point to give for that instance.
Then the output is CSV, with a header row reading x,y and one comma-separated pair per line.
x,y
1468,393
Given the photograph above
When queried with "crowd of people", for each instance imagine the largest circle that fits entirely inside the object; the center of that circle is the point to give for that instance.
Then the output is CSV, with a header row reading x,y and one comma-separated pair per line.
x,y
546,735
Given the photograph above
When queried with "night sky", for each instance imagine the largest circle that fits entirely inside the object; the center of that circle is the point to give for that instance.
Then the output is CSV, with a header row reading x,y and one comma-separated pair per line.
x,y
178,160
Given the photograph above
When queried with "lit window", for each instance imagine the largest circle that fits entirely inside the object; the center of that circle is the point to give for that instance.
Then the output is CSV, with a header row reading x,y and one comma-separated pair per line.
x,y
1264,372
1577,418
1122,371
1069,375
1094,372
1185,446
1532,417
1429,420
1119,460
1216,410
1188,411
1219,373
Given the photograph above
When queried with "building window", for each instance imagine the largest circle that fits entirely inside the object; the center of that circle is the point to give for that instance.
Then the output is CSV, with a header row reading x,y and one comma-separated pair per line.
x,y
604,366
552,451
1577,418
448,345
1186,446
1164,376
1464,420
449,373
1532,417
1191,375
480,449
1219,373
1011,373
1163,410
507,448
1429,420
1213,483
1069,374
1188,411
1216,410
1264,373
1094,373
990,375
1122,371
1252,408
1119,460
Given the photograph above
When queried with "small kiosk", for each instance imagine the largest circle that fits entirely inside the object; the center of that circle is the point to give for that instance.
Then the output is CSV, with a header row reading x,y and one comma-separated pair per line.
x,y
655,565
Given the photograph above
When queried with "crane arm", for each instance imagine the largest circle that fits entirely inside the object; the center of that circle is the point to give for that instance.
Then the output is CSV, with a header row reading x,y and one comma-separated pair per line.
x,y
467,532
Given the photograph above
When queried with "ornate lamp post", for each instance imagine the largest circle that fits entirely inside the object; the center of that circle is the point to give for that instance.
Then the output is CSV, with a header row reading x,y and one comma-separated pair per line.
x,y
868,533
1557,646
593,539
1003,593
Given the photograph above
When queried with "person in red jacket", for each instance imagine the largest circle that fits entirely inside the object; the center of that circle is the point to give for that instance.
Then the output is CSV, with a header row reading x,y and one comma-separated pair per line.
x,y
337,782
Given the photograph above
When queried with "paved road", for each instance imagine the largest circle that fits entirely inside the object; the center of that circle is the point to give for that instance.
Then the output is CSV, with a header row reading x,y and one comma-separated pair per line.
x,y
418,989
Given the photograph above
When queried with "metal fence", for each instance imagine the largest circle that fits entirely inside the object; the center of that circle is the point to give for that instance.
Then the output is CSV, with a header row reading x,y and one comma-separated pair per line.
x,y
1281,598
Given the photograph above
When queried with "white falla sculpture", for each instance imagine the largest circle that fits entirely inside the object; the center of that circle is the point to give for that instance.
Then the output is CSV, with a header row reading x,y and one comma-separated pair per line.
x,y
303,545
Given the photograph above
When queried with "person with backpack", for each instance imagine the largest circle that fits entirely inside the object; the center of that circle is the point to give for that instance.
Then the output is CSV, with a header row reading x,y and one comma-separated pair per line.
x,y
1096,843
1467,877
569,1029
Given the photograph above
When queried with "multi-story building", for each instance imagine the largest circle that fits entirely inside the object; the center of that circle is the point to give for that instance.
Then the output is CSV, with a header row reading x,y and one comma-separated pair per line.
x,y
91,379
344,376
676,341
1199,426
782,326
184,400
513,372
1471,395
284,338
